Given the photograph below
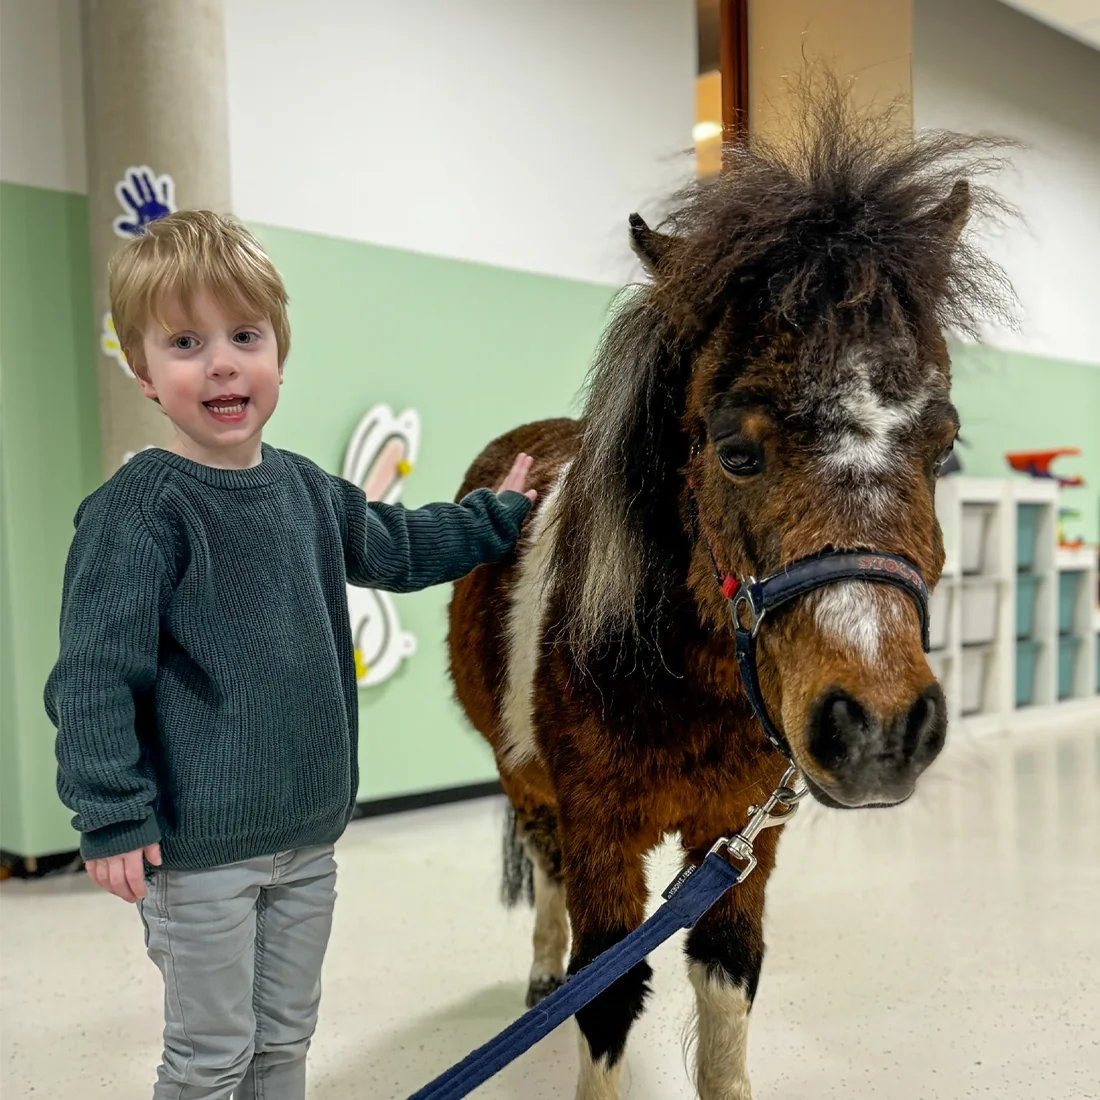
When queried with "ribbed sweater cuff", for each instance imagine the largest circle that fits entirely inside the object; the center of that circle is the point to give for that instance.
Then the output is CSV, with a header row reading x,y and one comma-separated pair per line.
x,y
517,504
116,840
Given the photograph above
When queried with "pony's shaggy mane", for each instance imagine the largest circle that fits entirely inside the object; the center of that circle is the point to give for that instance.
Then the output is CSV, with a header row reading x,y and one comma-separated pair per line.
x,y
848,227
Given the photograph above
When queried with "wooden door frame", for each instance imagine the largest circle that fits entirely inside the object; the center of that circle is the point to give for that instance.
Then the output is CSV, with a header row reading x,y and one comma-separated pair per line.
x,y
734,54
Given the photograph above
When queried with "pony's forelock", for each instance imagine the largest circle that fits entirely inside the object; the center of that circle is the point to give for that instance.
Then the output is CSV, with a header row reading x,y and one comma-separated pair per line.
x,y
845,227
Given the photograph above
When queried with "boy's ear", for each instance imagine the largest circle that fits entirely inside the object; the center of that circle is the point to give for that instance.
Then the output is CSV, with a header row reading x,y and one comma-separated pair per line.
x,y
145,383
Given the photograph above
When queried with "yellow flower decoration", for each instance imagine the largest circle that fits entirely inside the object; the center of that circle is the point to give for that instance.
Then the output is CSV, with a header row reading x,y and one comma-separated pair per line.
x,y
361,666
404,467
110,345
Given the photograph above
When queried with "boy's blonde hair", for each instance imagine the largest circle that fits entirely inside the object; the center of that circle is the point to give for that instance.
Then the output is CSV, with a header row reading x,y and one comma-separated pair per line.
x,y
182,254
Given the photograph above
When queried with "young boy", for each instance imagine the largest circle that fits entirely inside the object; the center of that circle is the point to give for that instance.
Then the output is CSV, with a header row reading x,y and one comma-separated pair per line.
x,y
205,697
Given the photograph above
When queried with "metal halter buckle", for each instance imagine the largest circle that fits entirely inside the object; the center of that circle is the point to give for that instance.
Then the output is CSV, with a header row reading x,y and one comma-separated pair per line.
x,y
743,598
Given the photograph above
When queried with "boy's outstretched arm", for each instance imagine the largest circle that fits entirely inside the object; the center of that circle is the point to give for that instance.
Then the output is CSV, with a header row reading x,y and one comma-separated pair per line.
x,y
403,550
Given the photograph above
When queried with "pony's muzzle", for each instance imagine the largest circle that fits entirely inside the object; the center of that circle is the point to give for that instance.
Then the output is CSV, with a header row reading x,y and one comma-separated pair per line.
x,y
864,759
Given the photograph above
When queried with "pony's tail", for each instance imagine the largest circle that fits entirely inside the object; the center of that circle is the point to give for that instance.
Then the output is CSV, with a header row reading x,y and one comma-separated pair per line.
x,y
517,871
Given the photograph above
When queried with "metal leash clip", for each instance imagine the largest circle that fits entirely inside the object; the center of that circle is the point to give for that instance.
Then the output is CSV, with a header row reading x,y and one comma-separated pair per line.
x,y
777,810
784,799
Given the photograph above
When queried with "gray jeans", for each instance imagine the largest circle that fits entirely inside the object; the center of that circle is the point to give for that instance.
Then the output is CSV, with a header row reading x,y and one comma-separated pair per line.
x,y
240,948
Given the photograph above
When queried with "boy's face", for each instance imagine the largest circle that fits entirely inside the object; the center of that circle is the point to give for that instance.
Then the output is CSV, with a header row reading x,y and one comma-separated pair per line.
x,y
216,375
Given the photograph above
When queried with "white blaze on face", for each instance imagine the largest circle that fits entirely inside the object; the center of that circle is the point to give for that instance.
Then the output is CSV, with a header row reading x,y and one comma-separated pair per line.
x,y
855,456
866,443
525,631
858,450
856,614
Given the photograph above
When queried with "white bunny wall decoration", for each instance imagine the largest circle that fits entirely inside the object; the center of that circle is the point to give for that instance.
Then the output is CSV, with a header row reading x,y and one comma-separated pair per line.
x,y
380,455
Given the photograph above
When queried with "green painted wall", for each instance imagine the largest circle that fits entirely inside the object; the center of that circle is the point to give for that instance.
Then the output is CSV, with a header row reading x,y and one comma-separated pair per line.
x,y
49,461
476,350
12,796
1010,401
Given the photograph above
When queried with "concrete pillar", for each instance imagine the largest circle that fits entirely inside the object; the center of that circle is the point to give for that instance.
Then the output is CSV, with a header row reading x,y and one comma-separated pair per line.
x,y
155,98
867,44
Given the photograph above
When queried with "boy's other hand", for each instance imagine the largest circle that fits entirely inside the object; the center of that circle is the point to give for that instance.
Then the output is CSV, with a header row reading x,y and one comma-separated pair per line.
x,y
516,480
124,876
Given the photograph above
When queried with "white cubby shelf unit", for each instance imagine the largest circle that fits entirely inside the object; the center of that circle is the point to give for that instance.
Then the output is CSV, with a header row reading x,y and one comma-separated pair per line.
x,y
1014,619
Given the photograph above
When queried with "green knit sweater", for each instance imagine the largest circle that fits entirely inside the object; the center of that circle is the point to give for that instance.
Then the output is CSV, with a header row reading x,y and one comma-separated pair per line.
x,y
205,692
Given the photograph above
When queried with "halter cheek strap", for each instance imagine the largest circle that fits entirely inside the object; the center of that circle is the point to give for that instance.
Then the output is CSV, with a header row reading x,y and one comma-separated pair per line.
x,y
751,601
756,598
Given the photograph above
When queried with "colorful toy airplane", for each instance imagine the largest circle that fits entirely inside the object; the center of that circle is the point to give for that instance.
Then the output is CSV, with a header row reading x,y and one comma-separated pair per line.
x,y
1037,464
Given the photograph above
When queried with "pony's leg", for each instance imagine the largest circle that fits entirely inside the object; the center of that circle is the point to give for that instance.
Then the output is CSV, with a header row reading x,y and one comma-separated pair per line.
x,y
725,952
551,936
606,890
599,1080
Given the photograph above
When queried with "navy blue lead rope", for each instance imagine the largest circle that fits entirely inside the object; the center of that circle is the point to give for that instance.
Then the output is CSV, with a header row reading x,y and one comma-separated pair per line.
x,y
689,897
695,890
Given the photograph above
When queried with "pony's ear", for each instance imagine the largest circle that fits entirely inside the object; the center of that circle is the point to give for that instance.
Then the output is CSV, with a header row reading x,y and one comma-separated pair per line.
x,y
949,218
649,246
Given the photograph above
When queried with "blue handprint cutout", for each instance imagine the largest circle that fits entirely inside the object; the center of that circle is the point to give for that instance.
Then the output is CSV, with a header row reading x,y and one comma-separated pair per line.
x,y
144,196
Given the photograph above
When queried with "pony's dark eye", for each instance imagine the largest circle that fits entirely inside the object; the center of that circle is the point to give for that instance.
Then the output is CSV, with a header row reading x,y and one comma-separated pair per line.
x,y
941,459
741,459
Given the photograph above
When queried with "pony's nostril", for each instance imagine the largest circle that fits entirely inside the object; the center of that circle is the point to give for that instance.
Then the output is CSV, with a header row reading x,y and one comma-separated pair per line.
x,y
924,725
917,724
849,717
866,758
839,723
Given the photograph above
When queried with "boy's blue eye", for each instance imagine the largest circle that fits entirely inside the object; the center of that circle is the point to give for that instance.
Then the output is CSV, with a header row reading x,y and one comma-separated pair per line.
x,y
246,337
183,343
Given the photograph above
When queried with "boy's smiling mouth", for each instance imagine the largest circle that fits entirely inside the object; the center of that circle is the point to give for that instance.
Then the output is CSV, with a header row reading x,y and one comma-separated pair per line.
x,y
228,408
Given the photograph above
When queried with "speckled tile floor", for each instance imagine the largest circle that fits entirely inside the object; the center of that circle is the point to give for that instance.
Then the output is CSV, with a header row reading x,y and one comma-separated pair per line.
x,y
943,950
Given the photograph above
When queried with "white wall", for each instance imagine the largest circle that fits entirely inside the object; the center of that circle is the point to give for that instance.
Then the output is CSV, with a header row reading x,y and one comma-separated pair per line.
x,y
516,132
41,94
519,133
981,66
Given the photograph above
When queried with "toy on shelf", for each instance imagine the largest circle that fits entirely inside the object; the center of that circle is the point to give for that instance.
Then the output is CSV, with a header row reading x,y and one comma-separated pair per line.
x,y
1063,515
1037,464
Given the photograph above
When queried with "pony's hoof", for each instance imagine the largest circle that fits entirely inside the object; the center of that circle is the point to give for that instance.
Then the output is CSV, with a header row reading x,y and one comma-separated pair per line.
x,y
541,988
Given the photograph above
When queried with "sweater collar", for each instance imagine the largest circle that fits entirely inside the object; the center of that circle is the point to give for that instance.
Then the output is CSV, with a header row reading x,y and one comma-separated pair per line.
x,y
271,468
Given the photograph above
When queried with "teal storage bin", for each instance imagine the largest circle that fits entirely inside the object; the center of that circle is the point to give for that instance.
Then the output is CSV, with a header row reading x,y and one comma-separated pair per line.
x,y
1027,528
1027,656
1067,663
1027,592
1067,600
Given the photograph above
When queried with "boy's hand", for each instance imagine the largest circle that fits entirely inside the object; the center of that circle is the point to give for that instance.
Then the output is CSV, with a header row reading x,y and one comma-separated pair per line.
x,y
517,478
124,876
